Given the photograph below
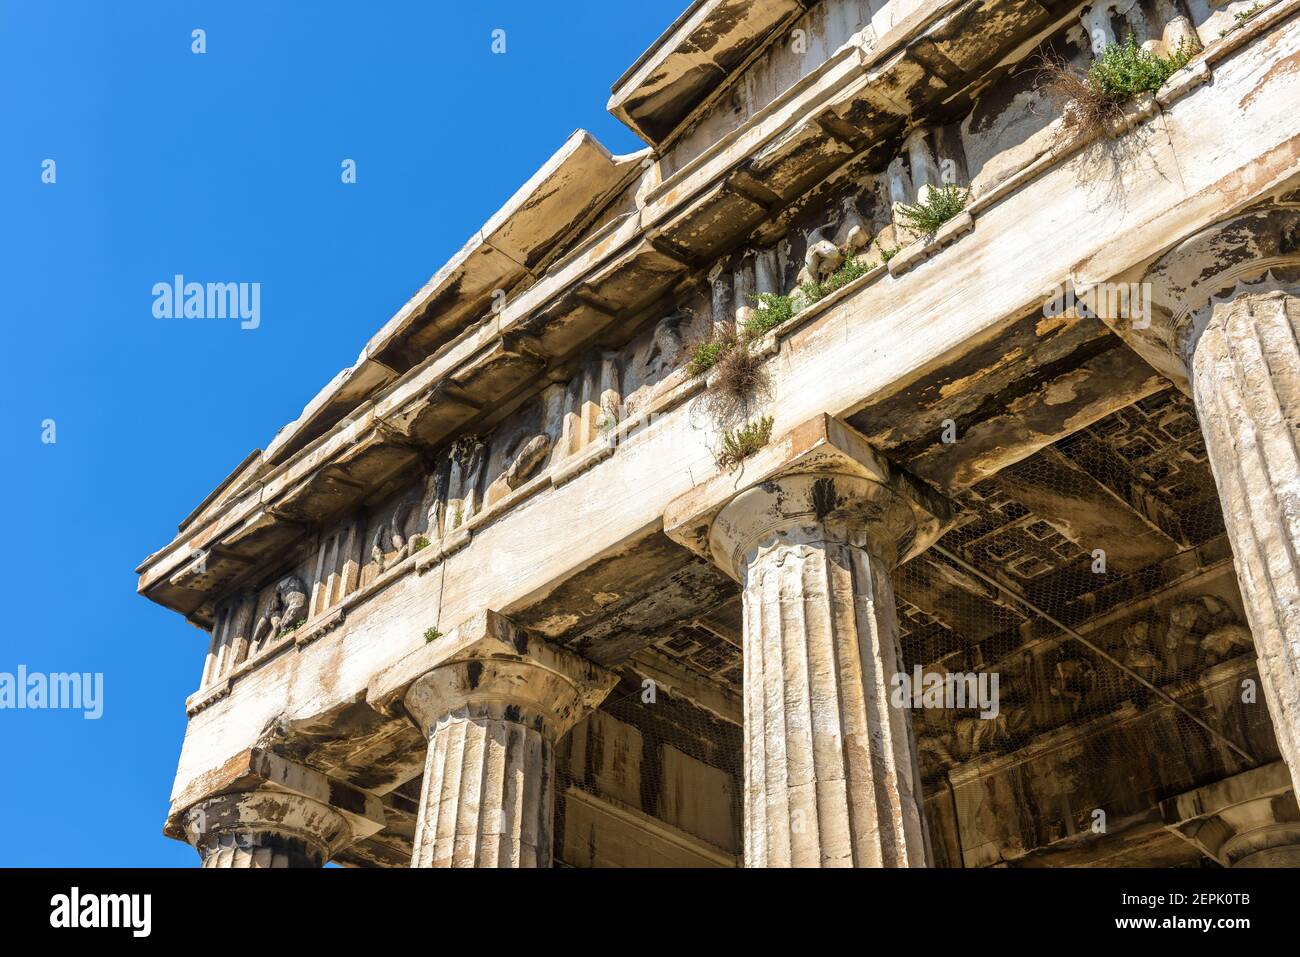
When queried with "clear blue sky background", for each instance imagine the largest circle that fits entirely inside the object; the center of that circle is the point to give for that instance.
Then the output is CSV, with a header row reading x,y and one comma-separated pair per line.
x,y
223,167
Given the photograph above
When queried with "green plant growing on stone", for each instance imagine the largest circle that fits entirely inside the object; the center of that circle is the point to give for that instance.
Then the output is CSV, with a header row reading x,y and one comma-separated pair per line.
x,y
807,294
736,373
773,310
1125,69
852,268
1243,17
431,635
1248,14
420,543
290,628
810,292
1093,102
740,444
940,204
706,353
887,254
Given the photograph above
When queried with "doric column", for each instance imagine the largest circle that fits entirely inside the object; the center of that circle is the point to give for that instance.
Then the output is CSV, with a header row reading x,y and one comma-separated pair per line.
x,y
830,766
1227,310
493,711
1246,385
255,829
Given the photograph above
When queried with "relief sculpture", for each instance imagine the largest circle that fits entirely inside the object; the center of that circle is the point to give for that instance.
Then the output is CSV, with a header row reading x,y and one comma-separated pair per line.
x,y
286,609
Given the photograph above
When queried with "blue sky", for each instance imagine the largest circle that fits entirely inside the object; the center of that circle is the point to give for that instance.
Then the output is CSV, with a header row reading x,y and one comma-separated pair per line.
x,y
223,166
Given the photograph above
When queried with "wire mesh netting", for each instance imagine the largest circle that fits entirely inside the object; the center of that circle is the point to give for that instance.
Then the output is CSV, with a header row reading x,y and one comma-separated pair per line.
x,y
1093,581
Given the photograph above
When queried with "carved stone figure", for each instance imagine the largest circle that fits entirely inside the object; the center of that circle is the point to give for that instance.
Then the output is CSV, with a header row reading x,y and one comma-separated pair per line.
x,y
435,503
1179,638
527,458
1072,680
827,250
467,452
467,456
287,609
933,754
1137,652
666,347
1191,634
393,537
1224,642
974,735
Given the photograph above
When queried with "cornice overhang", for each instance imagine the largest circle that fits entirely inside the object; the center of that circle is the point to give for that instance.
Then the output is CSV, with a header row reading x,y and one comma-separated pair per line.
x,y
710,42
557,203
858,98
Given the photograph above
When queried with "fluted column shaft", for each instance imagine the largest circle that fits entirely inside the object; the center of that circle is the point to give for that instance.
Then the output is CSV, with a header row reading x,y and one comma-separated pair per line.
x,y
1246,384
1246,381
487,798
830,776
830,766
493,710
259,849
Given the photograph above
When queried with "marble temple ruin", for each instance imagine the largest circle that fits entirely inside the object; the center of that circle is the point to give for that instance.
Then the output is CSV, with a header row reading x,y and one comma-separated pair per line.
x,y
678,518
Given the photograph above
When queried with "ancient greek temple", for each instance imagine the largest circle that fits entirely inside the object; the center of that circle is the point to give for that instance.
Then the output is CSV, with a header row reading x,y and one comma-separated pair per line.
x,y
894,463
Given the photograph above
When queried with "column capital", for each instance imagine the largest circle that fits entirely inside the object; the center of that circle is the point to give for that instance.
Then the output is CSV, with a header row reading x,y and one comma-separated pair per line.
x,y
492,701
1248,820
490,666
1254,251
227,796
820,479
265,828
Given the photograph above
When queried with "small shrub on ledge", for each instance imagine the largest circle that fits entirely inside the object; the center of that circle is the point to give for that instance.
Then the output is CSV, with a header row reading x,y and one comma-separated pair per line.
x,y
1125,70
431,635
420,543
1094,100
1244,17
705,353
720,348
940,205
772,311
851,269
740,444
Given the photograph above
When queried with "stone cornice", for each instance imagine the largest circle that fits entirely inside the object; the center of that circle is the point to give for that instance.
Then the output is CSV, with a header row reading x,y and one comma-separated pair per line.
x,y
710,42
619,269
450,388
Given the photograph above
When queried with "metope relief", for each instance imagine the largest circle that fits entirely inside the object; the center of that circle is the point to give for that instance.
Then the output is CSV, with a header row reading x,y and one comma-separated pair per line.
x,y
282,609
